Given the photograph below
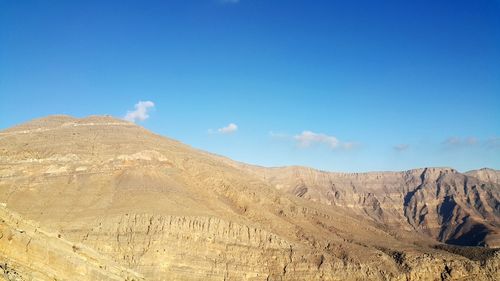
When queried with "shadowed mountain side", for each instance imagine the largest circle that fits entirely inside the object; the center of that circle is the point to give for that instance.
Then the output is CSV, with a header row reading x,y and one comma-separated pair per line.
x,y
439,202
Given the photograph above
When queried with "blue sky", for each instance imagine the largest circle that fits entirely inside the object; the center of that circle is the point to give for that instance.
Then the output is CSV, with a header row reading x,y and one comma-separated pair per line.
x,y
336,85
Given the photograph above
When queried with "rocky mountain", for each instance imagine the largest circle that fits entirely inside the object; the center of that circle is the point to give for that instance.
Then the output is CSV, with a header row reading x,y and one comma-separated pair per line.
x,y
138,205
455,208
485,174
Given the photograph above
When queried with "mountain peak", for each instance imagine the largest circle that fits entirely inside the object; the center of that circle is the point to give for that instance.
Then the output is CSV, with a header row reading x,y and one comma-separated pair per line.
x,y
56,121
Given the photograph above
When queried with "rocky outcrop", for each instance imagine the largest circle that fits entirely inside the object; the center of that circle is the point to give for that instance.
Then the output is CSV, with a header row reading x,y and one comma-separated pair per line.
x,y
208,243
28,252
486,175
217,249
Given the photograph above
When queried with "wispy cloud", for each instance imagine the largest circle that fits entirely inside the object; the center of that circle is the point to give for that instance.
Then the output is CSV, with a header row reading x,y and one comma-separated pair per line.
x,y
457,141
308,138
141,111
493,143
401,147
486,143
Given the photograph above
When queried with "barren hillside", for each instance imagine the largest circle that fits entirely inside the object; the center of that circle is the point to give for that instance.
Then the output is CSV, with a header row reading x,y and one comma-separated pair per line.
x,y
461,209
170,212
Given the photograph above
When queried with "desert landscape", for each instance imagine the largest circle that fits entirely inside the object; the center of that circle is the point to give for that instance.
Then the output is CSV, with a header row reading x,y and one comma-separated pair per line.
x,y
99,198
249,140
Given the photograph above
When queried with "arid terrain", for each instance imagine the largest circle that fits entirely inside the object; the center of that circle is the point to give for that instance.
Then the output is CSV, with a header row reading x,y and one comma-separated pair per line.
x,y
100,198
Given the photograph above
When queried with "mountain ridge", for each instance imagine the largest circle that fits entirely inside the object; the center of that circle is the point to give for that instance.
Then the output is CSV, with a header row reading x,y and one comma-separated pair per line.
x,y
69,119
164,209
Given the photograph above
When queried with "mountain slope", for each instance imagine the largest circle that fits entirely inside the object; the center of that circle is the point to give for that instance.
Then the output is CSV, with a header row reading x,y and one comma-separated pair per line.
x,y
169,211
486,175
439,202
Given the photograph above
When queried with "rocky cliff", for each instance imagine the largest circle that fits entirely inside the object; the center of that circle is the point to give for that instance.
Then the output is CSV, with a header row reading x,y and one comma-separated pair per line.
x,y
28,252
461,209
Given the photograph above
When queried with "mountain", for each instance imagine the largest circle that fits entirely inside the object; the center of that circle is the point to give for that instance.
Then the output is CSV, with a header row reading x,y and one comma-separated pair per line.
x,y
165,211
485,174
455,208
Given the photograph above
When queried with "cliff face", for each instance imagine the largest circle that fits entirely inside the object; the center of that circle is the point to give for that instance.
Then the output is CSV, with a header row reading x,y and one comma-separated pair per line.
x,y
169,212
461,209
28,252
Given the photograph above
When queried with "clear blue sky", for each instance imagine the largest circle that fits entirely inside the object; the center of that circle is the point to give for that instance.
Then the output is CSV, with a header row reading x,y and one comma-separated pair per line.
x,y
342,85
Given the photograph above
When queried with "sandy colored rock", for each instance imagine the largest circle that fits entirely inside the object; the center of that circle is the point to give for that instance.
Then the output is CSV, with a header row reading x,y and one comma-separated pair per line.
x,y
448,206
165,211
28,252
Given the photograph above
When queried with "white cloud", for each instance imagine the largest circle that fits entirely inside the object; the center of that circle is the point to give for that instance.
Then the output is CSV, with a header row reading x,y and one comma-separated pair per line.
x,y
141,111
401,147
308,138
231,128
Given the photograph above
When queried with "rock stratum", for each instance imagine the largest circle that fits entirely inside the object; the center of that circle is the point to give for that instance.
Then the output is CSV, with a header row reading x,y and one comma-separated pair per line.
x,y
99,198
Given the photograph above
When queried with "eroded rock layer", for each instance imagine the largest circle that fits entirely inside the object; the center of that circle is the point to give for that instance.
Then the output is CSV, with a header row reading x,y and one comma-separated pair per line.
x,y
461,209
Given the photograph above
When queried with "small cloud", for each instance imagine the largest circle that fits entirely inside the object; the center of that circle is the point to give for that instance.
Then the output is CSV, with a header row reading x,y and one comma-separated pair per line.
x,y
457,141
308,138
231,128
401,147
493,143
141,111
471,141
452,141
488,143
229,1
